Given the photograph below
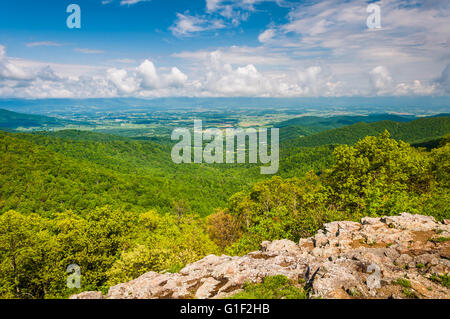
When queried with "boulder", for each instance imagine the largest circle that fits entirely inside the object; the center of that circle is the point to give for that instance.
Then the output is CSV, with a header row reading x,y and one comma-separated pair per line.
x,y
343,260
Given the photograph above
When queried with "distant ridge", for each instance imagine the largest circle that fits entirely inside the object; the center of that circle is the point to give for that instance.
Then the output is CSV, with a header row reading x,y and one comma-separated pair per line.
x,y
441,115
412,132
308,125
13,120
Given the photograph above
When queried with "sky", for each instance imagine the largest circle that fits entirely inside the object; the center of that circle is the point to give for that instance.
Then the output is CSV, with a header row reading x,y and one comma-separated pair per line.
x,y
224,48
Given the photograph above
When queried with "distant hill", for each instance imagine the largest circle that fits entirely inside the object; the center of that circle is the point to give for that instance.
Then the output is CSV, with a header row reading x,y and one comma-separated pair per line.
x,y
413,132
13,120
308,125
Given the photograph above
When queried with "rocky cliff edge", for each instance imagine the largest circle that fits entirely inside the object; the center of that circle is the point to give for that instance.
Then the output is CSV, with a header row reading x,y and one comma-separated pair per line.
x,y
401,256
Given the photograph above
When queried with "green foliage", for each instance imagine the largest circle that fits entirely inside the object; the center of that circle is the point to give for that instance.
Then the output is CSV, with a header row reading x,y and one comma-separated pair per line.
x,y
440,239
81,170
9,119
272,287
409,293
405,283
110,246
28,257
444,279
163,243
119,207
280,209
415,131
379,176
309,125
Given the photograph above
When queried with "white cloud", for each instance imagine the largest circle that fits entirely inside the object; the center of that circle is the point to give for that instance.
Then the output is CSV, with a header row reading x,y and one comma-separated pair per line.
x,y
119,77
239,56
88,51
147,71
124,2
414,88
266,36
131,2
222,79
219,14
323,49
335,33
217,78
10,70
145,80
384,84
444,80
186,25
124,61
176,78
43,43
212,5
381,79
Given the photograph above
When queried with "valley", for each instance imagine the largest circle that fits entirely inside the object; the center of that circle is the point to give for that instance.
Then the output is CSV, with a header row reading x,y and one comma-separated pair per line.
x,y
109,198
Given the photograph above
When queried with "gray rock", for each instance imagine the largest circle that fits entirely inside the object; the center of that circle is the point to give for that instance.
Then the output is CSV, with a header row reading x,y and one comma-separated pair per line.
x,y
343,260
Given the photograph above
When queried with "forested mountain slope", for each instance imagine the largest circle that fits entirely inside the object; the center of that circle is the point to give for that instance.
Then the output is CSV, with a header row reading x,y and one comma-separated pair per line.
x,y
58,208
44,173
414,131
13,120
54,171
308,125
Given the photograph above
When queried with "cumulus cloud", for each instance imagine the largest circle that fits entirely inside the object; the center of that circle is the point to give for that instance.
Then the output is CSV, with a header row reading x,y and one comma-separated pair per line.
x,y
384,84
145,80
124,83
147,72
335,33
30,79
223,79
176,78
444,80
323,48
10,70
228,73
381,79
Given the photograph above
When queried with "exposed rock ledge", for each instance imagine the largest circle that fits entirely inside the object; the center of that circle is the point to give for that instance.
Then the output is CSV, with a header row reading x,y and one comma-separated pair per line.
x,y
338,262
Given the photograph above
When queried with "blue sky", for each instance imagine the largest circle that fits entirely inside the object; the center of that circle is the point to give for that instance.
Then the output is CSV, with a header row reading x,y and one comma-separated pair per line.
x,y
142,30
273,48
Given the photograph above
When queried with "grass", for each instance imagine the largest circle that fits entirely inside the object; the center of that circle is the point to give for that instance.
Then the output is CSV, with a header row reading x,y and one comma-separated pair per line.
x,y
272,287
354,293
175,268
420,266
409,293
405,283
406,290
444,280
440,239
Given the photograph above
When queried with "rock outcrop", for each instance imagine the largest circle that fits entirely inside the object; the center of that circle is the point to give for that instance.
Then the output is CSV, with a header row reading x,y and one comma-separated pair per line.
x,y
391,257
